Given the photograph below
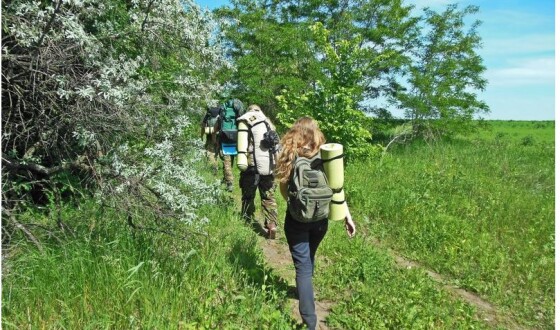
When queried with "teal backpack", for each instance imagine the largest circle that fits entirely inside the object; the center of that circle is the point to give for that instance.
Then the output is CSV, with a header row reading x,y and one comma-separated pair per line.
x,y
309,194
230,111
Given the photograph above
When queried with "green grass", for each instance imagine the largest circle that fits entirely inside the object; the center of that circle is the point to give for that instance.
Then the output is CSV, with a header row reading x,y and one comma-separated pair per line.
x,y
480,211
519,132
371,292
115,280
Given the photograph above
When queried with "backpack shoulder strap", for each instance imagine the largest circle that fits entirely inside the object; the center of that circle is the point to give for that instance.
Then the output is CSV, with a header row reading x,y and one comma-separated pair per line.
x,y
300,163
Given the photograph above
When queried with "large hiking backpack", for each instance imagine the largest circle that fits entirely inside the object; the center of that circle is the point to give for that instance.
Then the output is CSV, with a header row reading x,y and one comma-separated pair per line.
x,y
309,194
229,113
211,116
263,142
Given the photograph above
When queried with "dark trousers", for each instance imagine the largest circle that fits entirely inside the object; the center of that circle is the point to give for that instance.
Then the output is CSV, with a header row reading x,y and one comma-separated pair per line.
x,y
303,241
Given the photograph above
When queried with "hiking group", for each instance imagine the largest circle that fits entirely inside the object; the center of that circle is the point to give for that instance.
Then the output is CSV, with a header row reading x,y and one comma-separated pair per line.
x,y
295,162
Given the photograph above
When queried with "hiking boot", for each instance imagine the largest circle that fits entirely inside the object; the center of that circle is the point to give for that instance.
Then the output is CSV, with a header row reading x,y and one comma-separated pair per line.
x,y
229,186
271,230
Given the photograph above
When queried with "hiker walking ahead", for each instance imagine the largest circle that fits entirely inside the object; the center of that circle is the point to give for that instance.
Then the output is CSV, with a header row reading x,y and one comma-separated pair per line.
x,y
226,136
208,135
257,162
303,140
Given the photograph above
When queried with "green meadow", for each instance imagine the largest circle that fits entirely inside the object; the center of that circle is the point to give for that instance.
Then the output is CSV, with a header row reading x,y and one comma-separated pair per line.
x,y
478,211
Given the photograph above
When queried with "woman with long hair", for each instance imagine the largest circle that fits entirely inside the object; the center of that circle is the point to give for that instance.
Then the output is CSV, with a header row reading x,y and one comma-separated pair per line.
x,y
303,139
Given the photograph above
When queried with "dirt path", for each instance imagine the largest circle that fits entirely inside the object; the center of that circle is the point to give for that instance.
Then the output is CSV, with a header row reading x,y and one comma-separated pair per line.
x,y
279,259
486,311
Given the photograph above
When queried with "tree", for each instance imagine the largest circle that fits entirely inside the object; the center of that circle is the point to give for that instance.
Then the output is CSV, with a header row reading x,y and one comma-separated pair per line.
x,y
269,52
444,74
373,44
333,56
333,101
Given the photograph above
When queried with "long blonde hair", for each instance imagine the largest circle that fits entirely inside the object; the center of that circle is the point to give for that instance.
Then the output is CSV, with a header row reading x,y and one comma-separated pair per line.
x,y
303,139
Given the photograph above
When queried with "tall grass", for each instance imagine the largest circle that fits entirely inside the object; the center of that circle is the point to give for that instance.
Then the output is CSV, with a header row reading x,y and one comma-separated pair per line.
x,y
480,211
524,132
117,279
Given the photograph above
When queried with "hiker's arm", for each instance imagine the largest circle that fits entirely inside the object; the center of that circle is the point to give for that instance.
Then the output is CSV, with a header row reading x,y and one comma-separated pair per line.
x,y
349,223
284,190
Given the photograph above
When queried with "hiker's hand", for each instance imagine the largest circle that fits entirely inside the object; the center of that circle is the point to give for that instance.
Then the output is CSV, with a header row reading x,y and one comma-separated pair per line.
x,y
349,224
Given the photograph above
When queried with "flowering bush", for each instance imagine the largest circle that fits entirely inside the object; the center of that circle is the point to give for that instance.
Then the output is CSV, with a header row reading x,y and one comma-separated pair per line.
x,y
104,90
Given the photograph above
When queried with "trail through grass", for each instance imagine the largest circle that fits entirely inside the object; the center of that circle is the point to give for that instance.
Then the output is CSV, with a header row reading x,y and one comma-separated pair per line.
x,y
479,212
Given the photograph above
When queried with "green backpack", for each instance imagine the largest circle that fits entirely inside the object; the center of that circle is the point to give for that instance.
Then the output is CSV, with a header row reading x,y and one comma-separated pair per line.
x,y
309,194
230,111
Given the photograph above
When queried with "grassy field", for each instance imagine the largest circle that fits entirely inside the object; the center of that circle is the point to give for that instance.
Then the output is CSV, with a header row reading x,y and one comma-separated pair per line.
x,y
523,132
479,211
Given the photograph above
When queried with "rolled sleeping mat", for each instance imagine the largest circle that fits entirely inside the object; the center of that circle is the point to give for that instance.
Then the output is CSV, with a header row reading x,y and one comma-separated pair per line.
x,y
242,144
338,206
208,130
332,156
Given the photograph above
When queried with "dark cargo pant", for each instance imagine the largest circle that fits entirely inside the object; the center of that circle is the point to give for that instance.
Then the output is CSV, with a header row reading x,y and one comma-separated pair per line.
x,y
249,181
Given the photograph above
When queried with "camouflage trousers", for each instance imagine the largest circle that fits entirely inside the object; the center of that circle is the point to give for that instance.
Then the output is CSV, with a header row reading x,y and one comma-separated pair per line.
x,y
210,151
228,162
249,181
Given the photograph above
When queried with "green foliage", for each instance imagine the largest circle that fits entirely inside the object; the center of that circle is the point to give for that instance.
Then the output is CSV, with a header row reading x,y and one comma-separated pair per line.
x,y
480,211
516,131
372,293
332,101
338,120
270,54
130,77
276,48
361,50
444,74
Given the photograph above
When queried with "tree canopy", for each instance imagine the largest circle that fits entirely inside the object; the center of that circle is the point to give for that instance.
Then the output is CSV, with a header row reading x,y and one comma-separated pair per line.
x,y
296,57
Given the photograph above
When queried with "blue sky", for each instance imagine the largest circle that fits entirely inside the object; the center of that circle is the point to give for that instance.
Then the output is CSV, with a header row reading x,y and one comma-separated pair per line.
x,y
518,52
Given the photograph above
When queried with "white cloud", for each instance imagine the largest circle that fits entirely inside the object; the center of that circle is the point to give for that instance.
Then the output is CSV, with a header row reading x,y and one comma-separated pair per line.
x,y
521,44
523,72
